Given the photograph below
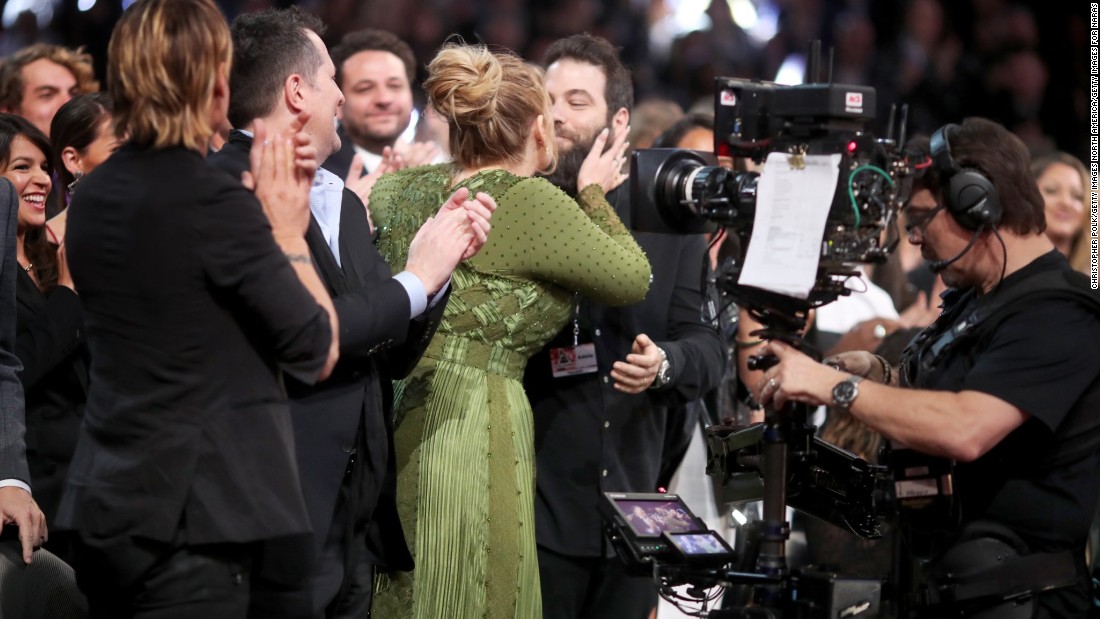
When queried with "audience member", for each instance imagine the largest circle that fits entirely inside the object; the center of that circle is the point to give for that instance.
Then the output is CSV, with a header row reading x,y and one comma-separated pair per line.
x,y
184,486
82,136
37,80
375,70
694,131
281,69
603,429
17,506
46,589
465,445
1063,181
49,323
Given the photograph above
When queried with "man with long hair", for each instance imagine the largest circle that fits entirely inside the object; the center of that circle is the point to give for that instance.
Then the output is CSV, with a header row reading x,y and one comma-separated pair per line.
x,y
198,295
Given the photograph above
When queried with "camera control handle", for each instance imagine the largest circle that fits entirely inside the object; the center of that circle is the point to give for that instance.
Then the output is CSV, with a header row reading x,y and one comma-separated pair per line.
x,y
762,362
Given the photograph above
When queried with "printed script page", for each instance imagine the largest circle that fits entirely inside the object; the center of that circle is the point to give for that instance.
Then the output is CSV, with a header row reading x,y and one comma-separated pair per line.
x,y
792,205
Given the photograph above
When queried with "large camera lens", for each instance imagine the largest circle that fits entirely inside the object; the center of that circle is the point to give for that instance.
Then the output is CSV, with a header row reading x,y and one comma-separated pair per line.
x,y
683,191
717,194
725,196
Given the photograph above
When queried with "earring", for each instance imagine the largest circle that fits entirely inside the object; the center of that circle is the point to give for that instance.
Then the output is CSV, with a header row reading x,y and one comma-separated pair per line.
x,y
76,179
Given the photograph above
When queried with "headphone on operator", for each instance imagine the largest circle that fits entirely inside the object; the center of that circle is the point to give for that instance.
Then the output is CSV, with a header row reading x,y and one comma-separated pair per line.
x,y
968,193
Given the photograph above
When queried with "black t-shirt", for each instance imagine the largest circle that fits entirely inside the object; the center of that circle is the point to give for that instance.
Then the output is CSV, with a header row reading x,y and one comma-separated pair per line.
x,y
1042,356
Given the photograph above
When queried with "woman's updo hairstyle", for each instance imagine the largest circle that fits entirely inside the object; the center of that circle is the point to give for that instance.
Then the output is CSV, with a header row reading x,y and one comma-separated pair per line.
x,y
489,100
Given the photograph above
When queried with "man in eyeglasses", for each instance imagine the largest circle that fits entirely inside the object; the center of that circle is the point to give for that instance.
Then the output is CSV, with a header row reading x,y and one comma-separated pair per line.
x,y
1004,387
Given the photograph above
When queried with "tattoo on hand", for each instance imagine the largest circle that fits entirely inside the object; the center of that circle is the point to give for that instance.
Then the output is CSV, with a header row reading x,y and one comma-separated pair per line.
x,y
302,258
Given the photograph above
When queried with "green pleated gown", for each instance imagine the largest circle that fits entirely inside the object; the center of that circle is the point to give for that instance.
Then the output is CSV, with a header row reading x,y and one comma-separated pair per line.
x,y
464,433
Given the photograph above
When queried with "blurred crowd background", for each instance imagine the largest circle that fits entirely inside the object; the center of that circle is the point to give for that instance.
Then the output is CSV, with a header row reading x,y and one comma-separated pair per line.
x,y
1022,63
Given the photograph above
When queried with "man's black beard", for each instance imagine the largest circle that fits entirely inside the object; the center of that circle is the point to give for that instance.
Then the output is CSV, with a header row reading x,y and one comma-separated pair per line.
x,y
569,164
564,175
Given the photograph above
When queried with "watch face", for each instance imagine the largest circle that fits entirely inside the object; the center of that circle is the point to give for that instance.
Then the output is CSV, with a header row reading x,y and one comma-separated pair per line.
x,y
844,392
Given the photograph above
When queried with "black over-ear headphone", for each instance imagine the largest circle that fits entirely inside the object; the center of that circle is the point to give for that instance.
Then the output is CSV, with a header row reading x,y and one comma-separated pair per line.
x,y
968,193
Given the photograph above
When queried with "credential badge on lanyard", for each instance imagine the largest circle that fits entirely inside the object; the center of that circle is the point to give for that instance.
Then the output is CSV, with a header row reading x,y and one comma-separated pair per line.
x,y
575,359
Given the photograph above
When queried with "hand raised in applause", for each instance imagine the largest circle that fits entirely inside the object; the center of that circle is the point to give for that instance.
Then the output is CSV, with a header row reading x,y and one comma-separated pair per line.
x,y
394,158
604,167
457,232
416,153
282,173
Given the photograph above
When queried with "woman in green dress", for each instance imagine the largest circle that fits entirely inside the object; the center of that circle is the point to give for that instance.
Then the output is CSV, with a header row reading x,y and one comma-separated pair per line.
x,y
464,437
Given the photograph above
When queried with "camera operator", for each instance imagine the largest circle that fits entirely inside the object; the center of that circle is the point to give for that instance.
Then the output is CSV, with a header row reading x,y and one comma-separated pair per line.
x,y
1006,382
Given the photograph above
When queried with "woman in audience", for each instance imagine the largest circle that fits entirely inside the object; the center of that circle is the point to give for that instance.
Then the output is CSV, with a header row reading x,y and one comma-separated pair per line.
x,y
82,136
464,439
49,323
1063,180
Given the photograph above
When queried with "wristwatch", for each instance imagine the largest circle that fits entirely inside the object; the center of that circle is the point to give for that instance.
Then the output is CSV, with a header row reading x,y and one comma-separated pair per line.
x,y
846,391
664,373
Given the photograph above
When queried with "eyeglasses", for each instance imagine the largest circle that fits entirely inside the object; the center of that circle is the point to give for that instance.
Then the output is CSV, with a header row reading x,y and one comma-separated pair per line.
x,y
919,222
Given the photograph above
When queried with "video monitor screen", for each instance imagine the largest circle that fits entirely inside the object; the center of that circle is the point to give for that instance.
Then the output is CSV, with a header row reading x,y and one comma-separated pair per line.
x,y
652,517
700,544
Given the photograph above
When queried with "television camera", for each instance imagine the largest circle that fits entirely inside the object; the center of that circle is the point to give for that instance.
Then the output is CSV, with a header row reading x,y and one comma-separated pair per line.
x,y
686,192
780,460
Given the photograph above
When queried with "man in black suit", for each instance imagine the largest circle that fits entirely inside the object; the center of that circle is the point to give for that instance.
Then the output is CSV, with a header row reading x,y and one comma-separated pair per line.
x,y
375,70
199,298
342,426
605,431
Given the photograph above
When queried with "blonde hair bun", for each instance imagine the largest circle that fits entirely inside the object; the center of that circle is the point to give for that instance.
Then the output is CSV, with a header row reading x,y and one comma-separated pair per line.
x,y
463,83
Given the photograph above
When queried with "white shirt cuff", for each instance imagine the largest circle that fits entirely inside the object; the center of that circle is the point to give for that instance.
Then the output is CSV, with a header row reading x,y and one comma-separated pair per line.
x,y
418,297
439,295
15,482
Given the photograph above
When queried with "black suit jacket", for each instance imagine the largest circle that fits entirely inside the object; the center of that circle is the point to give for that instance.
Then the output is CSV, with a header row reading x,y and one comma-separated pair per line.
x,y
591,438
192,315
50,344
378,343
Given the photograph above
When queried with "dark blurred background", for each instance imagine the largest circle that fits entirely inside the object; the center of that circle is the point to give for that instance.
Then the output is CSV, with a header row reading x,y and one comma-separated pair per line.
x,y
1021,63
